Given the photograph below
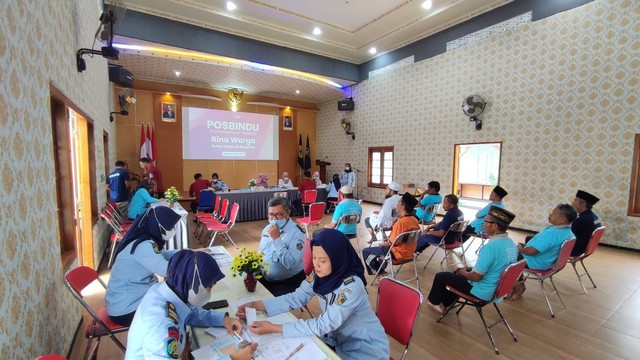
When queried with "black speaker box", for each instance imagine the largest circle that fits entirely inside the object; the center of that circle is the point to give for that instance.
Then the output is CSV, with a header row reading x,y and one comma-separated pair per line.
x,y
120,76
345,105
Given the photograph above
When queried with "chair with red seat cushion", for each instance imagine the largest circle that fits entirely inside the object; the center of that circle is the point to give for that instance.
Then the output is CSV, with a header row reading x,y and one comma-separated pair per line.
x,y
77,280
590,249
117,234
508,279
308,198
457,228
351,219
406,237
215,219
51,357
316,213
542,275
397,307
224,228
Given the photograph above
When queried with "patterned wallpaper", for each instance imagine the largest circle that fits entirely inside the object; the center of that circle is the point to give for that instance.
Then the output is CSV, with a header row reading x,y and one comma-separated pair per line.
x,y
562,95
38,41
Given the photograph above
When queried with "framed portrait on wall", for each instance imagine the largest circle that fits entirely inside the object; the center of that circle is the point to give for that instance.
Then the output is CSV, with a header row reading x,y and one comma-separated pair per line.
x,y
168,111
287,122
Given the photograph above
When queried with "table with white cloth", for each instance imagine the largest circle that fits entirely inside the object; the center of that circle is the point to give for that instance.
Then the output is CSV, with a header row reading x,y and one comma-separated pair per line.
x,y
181,239
253,204
232,289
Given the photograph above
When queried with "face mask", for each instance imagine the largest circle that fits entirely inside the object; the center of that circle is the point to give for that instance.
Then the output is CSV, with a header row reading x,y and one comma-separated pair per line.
x,y
201,298
279,223
286,178
168,234
347,168
215,181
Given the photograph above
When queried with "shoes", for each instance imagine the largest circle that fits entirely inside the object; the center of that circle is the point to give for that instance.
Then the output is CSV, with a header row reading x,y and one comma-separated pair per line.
x,y
517,291
437,308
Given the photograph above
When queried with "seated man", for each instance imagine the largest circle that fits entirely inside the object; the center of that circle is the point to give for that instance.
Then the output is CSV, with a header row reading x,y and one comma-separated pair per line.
x,y
482,280
431,196
406,222
305,185
217,184
282,243
385,218
199,184
496,196
586,223
434,233
347,206
542,251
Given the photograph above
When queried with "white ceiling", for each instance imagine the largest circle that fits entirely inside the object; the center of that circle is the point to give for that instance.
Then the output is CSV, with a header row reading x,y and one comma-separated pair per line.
x,y
349,29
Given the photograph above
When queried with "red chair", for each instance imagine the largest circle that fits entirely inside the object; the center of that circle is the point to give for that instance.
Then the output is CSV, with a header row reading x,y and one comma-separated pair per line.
x,y
224,228
397,307
307,263
119,214
77,280
407,237
351,219
590,249
507,280
219,218
117,235
308,198
316,213
51,357
457,228
542,275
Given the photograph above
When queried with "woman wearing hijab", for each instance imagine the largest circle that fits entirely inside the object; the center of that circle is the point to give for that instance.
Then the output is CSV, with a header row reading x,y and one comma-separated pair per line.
x,y
332,189
140,255
347,322
262,180
348,177
316,178
141,199
285,182
158,330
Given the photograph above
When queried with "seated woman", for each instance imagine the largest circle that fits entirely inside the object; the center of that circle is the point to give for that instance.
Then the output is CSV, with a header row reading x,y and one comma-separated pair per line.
x,y
332,191
262,180
406,222
141,199
482,280
158,330
347,321
316,178
285,182
138,258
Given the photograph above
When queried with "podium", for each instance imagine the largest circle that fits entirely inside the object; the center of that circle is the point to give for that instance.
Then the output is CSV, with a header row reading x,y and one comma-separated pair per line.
x,y
323,170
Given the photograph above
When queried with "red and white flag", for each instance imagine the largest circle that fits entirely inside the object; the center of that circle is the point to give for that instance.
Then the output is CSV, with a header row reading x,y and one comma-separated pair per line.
x,y
145,144
153,144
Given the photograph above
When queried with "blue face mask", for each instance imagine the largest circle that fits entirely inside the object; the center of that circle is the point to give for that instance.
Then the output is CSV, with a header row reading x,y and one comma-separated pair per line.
x,y
279,223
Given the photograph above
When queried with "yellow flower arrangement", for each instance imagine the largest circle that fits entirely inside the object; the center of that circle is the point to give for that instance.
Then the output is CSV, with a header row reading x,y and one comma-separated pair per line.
x,y
248,262
252,182
172,195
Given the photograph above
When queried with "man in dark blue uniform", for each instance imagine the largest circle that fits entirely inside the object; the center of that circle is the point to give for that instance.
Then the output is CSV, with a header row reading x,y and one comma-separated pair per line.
x,y
586,223
118,186
432,234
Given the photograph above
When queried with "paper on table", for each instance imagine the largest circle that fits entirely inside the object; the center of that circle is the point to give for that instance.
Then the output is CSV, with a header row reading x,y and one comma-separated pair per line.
x,y
235,304
217,332
252,316
268,338
281,350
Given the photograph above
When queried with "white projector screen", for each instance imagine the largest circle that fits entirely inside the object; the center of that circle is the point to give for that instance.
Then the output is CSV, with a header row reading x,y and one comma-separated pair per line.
x,y
224,135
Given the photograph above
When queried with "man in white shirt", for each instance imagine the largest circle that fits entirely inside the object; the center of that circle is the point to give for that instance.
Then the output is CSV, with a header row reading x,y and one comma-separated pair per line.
x,y
385,218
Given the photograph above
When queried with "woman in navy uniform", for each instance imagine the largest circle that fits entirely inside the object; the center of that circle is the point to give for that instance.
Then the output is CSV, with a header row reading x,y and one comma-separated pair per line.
x,y
347,322
138,258
158,330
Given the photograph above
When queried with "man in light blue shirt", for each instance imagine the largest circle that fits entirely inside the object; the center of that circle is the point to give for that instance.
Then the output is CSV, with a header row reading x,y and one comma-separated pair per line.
x,y
431,196
217,184
282,243
475,227
346,207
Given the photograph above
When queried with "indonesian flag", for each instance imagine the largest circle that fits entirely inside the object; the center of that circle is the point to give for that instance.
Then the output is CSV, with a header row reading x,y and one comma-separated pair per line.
x,y
153,144
146,149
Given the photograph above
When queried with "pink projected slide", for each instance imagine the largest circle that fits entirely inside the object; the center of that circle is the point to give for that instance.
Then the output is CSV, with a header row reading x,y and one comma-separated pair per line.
x,y
225,135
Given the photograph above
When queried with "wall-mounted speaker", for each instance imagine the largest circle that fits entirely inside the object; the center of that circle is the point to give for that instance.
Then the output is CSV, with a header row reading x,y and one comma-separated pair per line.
x,y
346,104
120,76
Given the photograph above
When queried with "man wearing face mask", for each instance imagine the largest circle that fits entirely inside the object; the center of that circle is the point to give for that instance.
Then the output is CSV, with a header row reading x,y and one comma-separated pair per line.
x,y
158,330
348,177
282,242
217,184
140,255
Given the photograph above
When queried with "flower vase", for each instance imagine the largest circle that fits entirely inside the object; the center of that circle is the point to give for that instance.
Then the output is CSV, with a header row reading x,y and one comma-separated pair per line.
x,y
171,203
250,282
254,188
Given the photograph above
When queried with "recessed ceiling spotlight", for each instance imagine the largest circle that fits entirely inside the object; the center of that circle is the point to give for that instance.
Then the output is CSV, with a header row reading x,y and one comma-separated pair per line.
x,y
317,31
231,6
372,50
177,73
297,92
427,4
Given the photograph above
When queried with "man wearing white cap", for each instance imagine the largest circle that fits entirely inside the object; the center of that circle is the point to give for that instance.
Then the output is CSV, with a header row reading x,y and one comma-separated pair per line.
x,y
347,206
385,218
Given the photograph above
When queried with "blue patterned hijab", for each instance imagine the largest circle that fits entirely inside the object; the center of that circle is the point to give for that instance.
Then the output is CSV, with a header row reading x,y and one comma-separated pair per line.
x,y
181,270
146,227
344,260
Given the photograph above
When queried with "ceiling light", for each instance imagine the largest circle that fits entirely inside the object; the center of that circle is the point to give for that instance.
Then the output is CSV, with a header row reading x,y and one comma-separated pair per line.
x,y
297,92
177,73
317,31
168,93
427,4
231,6
372,50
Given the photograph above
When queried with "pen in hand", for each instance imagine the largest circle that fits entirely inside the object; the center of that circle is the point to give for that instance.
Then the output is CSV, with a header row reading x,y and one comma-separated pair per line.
x,y
298,348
